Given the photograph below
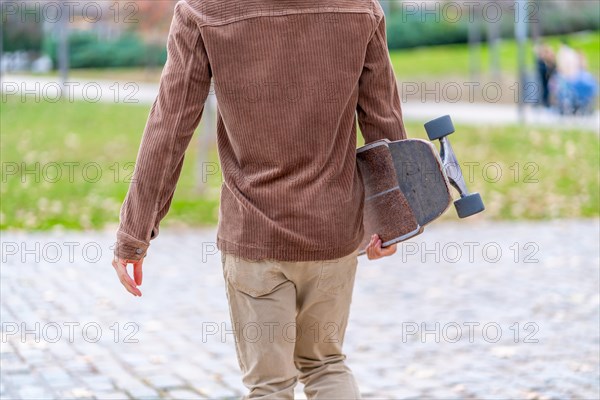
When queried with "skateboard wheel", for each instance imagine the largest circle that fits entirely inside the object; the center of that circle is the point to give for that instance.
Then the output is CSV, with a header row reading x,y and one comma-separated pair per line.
x,y
439,127
469,205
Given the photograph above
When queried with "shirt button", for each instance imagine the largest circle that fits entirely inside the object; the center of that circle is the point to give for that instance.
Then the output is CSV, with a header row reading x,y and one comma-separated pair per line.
x,y
139,251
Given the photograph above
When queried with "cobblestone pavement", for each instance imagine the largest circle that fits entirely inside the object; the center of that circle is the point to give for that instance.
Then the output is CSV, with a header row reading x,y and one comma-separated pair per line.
x,y
467,310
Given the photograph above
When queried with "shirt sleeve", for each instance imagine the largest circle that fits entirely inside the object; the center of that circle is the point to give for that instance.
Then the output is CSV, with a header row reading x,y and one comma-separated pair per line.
x,y
175,114
378,109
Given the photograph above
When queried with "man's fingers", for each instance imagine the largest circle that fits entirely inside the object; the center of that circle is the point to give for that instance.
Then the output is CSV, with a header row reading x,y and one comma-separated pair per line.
x,y
370,248
137,272
388,251
128,284
121,268
375,251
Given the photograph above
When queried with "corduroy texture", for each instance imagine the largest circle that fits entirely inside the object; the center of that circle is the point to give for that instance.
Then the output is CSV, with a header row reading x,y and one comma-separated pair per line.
x,y
290,78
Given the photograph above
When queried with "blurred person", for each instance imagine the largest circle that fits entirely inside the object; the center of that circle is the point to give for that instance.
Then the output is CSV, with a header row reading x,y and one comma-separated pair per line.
x,y
574,86
546,67
568,62
583,62
291,81
585,87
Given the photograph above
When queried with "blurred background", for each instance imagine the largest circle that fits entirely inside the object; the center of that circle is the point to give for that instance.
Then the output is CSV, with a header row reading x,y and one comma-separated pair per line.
x,y
520,80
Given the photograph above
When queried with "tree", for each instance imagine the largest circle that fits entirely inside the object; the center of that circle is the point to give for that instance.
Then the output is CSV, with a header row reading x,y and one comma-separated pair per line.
x,y
154,19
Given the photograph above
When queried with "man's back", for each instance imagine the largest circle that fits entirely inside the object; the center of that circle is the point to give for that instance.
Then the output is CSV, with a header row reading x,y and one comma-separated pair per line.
x,y
289,77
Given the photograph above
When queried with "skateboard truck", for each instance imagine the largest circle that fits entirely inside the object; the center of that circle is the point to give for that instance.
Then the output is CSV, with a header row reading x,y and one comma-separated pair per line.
x,y
469,203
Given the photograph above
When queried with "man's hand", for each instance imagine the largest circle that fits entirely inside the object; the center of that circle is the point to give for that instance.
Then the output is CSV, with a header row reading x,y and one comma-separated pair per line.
x,y
120,266
374,250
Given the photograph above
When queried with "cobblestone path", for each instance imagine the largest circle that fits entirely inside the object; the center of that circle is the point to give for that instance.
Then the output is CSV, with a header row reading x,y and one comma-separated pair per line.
x,y
494,311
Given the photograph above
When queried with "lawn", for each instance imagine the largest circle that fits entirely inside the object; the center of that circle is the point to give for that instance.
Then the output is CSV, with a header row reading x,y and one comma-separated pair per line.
x,y
67,165
445,62
452,61
527,172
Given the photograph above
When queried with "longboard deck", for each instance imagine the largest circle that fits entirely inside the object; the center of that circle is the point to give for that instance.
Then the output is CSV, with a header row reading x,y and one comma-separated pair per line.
x,y
405,188
421,178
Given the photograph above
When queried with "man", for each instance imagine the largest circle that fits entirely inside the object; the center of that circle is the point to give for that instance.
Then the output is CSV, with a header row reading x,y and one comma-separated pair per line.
x,y
290,77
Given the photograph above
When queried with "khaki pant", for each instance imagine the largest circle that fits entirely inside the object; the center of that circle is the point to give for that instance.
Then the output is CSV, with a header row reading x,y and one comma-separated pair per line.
x,y
289,320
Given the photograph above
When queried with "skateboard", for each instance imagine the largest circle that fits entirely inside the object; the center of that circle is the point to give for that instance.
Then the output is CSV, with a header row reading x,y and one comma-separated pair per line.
x,y
407,184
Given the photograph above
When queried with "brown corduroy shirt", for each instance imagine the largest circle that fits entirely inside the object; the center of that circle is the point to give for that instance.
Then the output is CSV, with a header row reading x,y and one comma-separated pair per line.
x,y
291,79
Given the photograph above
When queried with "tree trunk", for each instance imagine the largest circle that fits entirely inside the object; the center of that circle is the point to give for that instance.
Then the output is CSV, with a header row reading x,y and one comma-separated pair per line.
x,y
63,47
494,46
475,48
521,37
206,140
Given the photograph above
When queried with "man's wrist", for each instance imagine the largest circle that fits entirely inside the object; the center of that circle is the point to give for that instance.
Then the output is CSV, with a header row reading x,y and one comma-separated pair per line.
x,y
130,248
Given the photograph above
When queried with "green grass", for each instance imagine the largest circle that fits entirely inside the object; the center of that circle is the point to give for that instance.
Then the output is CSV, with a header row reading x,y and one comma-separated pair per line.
x,y
146,75
92,137
446,62
452,61
528,172
107,136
